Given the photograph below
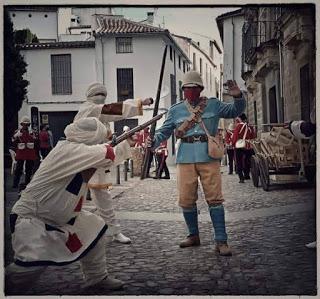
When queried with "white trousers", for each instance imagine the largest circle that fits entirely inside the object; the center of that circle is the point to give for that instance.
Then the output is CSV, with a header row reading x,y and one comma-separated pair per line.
x,y
94,267
104,203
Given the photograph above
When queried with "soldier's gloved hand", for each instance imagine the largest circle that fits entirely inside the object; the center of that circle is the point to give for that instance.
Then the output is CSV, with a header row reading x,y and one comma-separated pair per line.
x,y
149,142
147,102
110,152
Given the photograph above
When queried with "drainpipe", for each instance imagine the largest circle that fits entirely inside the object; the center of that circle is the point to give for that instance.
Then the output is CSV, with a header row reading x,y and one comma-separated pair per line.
x,y
102,59
233,42
281,81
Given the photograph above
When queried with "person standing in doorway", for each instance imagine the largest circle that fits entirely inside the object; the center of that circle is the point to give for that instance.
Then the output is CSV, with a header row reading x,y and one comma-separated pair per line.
x,y
44,140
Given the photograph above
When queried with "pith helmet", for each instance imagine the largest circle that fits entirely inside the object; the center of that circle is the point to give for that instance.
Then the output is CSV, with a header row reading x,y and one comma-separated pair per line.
x,y
192,79
25,120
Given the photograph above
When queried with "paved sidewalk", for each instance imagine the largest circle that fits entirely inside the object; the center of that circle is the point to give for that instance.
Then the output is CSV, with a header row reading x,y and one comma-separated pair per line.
x,y
267,232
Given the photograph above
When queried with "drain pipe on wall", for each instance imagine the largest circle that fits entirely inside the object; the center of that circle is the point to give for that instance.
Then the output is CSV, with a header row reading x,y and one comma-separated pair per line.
x,y
233,58
102,59
281,82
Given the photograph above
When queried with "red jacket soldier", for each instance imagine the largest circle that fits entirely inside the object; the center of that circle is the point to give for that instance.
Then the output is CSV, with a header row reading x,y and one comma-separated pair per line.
x,y
243,154
24,143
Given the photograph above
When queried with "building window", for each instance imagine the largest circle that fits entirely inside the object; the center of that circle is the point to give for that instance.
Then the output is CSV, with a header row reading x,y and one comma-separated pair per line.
x,y
194,61
201,66
180,90
29,15
125,84
179,62
61,81
124,44
13,15
207,74
45,16
305,92
173,89
273,113
184,66
170,53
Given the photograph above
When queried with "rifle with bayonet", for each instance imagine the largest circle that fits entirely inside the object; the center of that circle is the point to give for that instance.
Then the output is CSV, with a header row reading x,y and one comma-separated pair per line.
x,y
146,161
124,136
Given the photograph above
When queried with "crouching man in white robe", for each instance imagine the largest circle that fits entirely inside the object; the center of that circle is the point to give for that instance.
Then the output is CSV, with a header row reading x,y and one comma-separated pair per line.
x,y
48,224
95,106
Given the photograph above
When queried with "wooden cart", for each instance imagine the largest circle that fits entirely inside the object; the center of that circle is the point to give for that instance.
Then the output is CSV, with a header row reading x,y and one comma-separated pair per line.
x,y
280,157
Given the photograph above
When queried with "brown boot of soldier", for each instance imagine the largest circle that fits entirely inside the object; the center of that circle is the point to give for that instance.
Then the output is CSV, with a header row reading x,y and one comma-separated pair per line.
x,y
192,240
223,249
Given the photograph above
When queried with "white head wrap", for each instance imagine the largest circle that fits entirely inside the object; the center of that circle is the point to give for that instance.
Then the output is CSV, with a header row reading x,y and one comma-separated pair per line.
x,y
87,130
96,93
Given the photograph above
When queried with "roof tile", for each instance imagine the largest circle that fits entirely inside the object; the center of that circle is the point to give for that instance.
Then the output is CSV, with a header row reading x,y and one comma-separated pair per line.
x,y
115,25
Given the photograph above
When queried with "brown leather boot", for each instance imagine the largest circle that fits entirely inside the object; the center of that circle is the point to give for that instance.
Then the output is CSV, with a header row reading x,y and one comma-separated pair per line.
x,y
190,241
223,249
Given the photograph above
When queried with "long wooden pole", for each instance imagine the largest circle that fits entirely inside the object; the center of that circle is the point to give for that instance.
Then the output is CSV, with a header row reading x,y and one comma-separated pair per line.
x,y
146,162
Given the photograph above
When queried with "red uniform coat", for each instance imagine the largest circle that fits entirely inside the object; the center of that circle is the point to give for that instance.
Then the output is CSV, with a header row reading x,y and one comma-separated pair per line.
x,y
239,132
25,145
44,139
228,139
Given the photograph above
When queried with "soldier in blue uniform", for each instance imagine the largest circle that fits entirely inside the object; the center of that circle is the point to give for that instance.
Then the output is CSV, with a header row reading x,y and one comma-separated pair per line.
x,y
193,161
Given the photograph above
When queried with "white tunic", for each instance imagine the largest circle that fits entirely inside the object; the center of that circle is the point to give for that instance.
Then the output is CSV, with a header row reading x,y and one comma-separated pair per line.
x,y
47,222
102,179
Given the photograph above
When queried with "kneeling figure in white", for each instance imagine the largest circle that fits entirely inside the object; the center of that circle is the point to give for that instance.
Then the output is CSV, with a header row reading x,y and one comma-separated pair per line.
x,y
48,224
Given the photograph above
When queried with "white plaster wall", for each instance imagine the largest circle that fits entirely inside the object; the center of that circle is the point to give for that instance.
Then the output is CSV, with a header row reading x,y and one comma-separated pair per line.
x,y
44,28
39,73
64,16
232,49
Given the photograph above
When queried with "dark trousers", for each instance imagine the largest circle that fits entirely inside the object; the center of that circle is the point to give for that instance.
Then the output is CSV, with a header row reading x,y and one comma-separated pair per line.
x,y
44,152
19,169
162,166
243,158
230,153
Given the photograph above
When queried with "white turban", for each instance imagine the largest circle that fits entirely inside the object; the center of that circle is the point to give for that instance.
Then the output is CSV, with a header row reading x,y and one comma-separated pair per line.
x,y
96,93
87,130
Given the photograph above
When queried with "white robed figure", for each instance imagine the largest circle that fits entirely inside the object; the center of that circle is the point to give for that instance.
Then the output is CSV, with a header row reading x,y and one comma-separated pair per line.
x,y
48,224
99,184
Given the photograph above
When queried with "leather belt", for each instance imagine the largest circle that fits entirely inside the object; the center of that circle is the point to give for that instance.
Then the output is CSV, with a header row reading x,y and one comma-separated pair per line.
x,y
195,138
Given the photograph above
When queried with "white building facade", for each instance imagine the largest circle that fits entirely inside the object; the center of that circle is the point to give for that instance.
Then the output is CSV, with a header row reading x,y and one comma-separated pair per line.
x,y
230,27
126,56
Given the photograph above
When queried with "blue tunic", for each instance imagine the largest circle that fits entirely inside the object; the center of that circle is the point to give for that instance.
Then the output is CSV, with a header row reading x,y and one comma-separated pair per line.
x,y
197,152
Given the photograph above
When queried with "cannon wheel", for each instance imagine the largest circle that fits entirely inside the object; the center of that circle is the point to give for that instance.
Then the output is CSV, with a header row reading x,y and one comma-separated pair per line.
x,y
255,173
264,173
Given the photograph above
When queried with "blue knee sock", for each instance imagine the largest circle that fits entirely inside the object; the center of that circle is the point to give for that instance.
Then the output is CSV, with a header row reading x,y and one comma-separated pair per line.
x,y
218,222
191,218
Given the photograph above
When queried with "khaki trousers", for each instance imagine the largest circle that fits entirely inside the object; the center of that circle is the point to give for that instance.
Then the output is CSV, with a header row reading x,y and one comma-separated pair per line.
x,y
210,178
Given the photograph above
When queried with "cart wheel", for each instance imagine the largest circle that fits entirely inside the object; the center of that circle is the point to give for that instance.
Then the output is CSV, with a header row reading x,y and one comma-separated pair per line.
x,y
264,173
255,171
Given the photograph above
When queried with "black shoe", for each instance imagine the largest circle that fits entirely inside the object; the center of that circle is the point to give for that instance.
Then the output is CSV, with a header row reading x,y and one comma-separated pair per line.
x,y
247,177
166,177
156,178
230,172
241,181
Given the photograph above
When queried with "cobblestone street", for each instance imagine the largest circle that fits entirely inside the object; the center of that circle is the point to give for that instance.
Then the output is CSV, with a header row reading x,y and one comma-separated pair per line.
x,y
267,233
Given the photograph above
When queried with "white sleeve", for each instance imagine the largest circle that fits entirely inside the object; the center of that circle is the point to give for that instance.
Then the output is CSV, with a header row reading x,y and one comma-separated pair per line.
x,y
129,108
